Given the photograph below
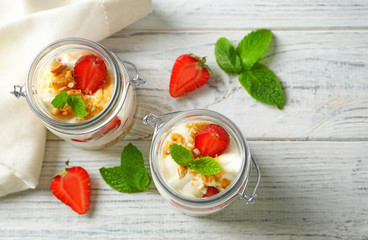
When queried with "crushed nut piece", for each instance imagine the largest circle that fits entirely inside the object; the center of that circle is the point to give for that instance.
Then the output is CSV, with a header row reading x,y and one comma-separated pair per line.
x,y
177,138
182,171
58,68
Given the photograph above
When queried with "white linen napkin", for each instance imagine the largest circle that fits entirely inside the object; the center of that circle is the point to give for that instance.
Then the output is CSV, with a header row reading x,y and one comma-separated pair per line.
x,y
25,28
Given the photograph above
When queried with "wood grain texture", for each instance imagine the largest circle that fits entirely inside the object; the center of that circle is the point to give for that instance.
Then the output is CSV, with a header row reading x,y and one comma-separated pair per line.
x,y
313,154
324,75
309,190
240,14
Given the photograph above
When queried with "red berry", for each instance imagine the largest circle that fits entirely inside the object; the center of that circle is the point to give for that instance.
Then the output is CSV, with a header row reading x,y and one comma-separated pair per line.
x,y
189,72
72,187
212,140
89,73
211,191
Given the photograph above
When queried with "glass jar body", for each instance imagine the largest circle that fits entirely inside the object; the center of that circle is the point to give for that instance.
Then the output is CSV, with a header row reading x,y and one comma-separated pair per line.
x,y
191,205
115,119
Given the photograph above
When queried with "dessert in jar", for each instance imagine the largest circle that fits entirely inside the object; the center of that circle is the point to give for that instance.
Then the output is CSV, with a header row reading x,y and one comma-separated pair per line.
x,y
82,92
201,138
209,141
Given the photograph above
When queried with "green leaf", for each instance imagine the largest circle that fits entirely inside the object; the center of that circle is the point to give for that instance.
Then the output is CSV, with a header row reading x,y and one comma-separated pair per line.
x,y
252,47
226,56
180,154
77,105
133,170
60,100
263,85
205,166
114,178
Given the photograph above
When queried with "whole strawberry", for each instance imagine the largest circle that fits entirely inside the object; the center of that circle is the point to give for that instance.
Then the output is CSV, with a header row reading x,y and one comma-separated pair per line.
x,y
72,187
189,72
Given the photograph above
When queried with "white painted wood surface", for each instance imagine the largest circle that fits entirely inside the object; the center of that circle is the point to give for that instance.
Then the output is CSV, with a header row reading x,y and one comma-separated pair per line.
x,y
313,154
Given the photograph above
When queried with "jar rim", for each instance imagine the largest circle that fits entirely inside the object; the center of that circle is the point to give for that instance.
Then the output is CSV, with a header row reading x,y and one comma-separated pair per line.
x,y
232,190
74,41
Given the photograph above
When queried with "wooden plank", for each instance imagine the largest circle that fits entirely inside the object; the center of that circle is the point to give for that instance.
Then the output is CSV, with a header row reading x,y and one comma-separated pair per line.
x,y
238,14
323,74
308,190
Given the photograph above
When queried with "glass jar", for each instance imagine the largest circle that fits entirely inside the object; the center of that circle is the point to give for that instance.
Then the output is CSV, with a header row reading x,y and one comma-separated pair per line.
x,y
191,205
115,119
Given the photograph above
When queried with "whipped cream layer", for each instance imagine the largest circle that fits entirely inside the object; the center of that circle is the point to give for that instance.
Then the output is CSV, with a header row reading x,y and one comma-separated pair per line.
x,y
188,181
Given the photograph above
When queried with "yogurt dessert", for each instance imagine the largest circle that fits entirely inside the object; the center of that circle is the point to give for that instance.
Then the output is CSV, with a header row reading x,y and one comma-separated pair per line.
x,y
81,74
82,92
200,162
202,139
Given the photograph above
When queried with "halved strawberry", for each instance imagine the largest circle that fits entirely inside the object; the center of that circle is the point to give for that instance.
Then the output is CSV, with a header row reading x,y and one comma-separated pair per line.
x,y
189,72
114,124
72,187
212,140
211,191
89,73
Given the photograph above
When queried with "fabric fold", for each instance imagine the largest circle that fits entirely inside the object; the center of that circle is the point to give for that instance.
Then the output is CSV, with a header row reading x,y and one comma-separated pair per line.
x,y
30,26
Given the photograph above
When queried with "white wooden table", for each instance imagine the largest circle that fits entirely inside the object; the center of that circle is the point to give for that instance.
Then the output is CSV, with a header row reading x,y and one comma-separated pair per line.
x,y
313,154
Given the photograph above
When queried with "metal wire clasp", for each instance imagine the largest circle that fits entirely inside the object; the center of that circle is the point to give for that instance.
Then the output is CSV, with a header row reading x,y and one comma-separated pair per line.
x,y
18,91
250,199
137,80
153,119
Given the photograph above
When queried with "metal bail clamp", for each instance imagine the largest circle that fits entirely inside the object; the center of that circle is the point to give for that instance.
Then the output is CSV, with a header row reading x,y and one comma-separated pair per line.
x,y
137,80
250,199
18,91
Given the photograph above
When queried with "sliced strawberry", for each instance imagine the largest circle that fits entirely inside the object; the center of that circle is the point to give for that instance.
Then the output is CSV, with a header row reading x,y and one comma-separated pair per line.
x,y
212,140
72,187
89,73
189,72
114,124
211,191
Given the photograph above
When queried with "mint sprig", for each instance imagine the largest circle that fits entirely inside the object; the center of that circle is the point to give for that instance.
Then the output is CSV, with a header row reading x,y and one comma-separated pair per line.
x,y
203,165
75,102
131,176
260,82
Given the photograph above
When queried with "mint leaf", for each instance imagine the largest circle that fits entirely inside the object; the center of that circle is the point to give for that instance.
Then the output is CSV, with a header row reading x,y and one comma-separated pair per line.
x,y
205,166
263,85
252,47
227,57
77,105
131,176
60,100
133,170
114,178
180,154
